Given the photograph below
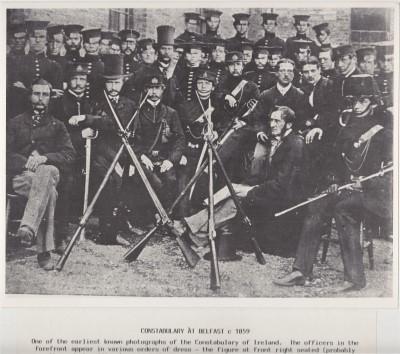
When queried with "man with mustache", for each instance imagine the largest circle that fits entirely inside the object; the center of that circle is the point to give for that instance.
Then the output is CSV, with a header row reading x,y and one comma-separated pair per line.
x,y
39,154
55,46
129,38
73,42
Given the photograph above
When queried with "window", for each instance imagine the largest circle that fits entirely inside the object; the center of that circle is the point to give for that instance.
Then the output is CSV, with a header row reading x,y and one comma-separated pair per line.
x,y
120,19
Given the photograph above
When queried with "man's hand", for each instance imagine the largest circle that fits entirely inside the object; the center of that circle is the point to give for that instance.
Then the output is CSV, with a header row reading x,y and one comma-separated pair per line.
x,y
312,134
238,124
147,162
166,166
262,137
34,161
89,133
231,100
183,161
19,84
241,190
57,93
332,189
75,120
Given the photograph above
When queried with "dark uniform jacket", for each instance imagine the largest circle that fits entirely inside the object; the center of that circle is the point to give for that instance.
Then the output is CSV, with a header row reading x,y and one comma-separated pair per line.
x,y
131,64
329,74
63,61
209,36
49,138
95,81
271,98
219,69
188,36
234,43
385,83
185,82
159,134
271,40
262,78
73,56
286,176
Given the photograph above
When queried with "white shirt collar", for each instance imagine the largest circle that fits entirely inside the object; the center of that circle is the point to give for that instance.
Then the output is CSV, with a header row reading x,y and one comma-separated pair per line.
x,y
153,104
75,95
283,89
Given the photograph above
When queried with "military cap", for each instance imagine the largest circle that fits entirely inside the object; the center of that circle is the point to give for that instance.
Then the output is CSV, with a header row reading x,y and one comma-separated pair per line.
x,y
193,43
359,86
269,16
383,49
246,45
54,30
207,75
213,43
91,33
261,49
179,45
113,66
127,34
115,40
32,26
192,16
145,43
298,18
154,79
77,69
321,27
14,28
233,57
165,35
275,50
302,44
208,13
343,50
68,29
108,35
241,17
362,52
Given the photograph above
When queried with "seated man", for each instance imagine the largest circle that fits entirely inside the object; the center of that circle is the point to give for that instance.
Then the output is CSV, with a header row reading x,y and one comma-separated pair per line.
x,y
360,149
39,153
282,185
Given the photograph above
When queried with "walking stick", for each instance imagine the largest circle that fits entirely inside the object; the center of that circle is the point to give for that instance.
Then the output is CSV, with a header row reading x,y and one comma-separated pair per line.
x,y
190,255
89,210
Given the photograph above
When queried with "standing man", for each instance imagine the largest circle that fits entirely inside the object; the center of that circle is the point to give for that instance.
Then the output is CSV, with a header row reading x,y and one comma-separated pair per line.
x,y
39,153
301,23
17,35
270,23
73,42
385,76
322,33
325,56
275,54
353,160
105,42
241,25
302,51
192,22
55,46
129,38
213,21
217,63
366,60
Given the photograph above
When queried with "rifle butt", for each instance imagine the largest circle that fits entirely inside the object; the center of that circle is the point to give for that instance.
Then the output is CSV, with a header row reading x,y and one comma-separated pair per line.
x,y
134,252
191,257
215,281
257,251
61,262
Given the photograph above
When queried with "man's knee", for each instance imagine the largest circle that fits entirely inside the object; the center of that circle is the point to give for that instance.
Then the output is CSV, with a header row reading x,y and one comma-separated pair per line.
x,y
49,170
260,151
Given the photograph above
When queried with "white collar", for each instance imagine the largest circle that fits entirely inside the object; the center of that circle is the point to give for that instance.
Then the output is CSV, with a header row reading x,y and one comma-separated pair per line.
x,y
351,72
153,104
75,95
283,89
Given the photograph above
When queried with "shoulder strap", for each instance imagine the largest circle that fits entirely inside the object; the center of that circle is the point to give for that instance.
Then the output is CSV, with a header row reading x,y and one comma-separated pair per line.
x,y
368,135
239,87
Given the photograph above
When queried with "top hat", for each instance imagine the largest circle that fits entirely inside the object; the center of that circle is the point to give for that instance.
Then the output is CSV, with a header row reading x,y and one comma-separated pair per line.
x,y
298,18
360,85
233,57
127,34
165,35
269,16
113,66
68,29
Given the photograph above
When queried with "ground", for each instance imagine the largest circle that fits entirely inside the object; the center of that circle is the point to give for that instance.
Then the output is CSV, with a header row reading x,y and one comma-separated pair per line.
x,y
161,270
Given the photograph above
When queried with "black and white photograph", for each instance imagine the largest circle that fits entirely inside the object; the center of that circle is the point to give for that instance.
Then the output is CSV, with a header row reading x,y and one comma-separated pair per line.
x,y
201,152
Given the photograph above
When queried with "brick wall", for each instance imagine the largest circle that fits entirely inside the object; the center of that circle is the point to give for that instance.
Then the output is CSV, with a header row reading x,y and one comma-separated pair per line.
x,y
146,20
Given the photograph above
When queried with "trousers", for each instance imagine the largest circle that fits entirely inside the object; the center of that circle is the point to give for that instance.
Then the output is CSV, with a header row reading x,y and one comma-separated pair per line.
x,y
39,188
347,209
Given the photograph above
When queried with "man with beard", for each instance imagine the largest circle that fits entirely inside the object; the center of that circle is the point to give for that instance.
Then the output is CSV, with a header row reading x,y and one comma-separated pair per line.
x,y
261,75
192,20
241,24
360,149
281,185
270,39
213,20
107,144
385,76
32,66
91,44
73,42
301,24
217,63
325,57
39,153
16,39
322,34
129,38
284,93
55,43
159,142
366,60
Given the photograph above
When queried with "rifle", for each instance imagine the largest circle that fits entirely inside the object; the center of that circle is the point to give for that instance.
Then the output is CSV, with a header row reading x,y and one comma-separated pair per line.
x,y
190,255
382,172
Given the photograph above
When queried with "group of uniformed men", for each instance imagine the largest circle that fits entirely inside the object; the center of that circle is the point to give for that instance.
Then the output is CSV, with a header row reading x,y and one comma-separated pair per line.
x,y
290,119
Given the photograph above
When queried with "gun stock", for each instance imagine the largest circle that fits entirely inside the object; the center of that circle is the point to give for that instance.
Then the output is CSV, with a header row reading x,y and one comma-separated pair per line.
x,y
135,251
